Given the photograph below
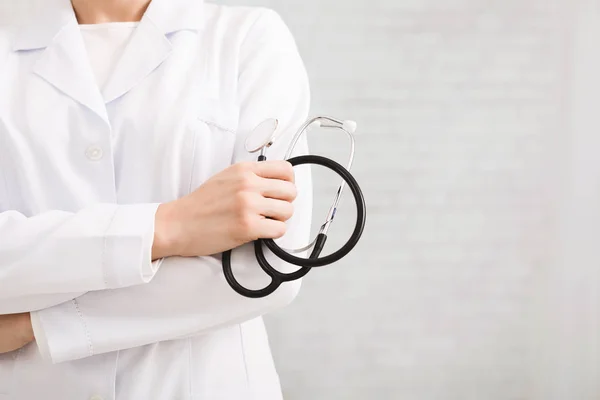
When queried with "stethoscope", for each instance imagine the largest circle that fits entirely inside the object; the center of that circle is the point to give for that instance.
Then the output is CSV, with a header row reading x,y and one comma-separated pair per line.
x,y
261,138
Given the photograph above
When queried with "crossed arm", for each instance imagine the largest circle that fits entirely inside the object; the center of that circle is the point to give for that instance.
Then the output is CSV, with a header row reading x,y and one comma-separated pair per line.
x,y
15,332
82,282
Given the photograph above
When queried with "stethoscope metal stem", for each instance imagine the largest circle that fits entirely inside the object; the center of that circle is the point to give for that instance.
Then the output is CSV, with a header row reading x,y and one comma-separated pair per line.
x,y
324,122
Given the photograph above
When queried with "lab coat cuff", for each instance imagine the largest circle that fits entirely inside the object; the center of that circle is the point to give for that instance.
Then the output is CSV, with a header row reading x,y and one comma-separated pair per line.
x,y
128,246
61,333
40,335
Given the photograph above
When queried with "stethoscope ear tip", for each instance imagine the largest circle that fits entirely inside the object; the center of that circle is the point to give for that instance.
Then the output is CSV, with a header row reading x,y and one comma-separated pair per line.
x,y
347,125
350,126
316,124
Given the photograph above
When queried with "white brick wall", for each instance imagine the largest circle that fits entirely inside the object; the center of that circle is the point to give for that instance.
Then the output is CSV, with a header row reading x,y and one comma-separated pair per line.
x,y
459,104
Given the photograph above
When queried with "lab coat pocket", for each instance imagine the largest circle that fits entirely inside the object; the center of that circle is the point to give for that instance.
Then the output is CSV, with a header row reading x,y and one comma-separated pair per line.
x,y
214,129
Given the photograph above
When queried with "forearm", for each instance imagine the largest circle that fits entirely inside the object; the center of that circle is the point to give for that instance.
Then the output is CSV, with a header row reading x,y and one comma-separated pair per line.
x,y
56,256
188,296
15,332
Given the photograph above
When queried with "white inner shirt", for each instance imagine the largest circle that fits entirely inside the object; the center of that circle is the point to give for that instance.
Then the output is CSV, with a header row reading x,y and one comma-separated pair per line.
x,y
105,44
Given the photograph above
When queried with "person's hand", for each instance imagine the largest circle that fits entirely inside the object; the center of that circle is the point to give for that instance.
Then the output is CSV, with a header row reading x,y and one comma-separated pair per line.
x,y
245,202
15,332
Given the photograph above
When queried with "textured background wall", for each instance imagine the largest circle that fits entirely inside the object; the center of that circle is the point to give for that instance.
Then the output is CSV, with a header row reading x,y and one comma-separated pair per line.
x,y
460,104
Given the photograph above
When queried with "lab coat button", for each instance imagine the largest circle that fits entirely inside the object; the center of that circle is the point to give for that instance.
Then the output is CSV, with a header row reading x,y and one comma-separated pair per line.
x,y
94,153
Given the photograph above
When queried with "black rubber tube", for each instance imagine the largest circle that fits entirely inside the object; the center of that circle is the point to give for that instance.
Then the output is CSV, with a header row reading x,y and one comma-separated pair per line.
x,y
306,264
292,276
361,216
235,285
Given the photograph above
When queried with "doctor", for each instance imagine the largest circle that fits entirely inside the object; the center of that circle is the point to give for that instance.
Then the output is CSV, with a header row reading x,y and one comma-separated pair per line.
x,y
122,173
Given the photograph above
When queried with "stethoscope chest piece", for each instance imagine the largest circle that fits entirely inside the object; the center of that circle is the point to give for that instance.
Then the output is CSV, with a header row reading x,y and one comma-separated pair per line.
x,y
262,136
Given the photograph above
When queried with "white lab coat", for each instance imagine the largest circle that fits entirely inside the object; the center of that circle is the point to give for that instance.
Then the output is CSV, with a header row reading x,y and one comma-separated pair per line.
x,y
81,175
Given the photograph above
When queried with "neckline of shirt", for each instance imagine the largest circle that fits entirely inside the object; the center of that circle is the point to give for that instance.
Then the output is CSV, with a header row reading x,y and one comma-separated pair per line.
x,y
110,25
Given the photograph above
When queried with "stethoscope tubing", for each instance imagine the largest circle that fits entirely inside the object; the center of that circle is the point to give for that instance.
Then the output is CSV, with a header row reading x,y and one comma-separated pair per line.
x,y
360,216
305,264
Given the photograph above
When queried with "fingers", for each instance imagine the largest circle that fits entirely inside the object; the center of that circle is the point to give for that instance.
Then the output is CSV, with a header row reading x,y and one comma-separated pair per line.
x,y
281,170
272,179
265,194
277,189
276,209
271,229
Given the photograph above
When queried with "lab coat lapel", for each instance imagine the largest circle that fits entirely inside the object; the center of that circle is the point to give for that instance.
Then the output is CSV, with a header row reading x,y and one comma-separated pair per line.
x,y
150,46
146,50
52,30
65,65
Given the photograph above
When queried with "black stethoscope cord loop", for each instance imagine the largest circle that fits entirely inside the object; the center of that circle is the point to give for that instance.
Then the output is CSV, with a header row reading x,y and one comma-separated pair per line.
x,y
360,217
305,264
235,285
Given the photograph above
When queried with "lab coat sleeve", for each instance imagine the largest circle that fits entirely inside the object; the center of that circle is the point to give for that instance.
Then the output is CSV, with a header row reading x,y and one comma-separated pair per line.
x,y
56,256
189,296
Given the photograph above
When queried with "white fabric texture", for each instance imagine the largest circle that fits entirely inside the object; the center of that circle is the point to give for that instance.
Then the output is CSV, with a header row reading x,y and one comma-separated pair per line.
x,y
105,43
83,168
